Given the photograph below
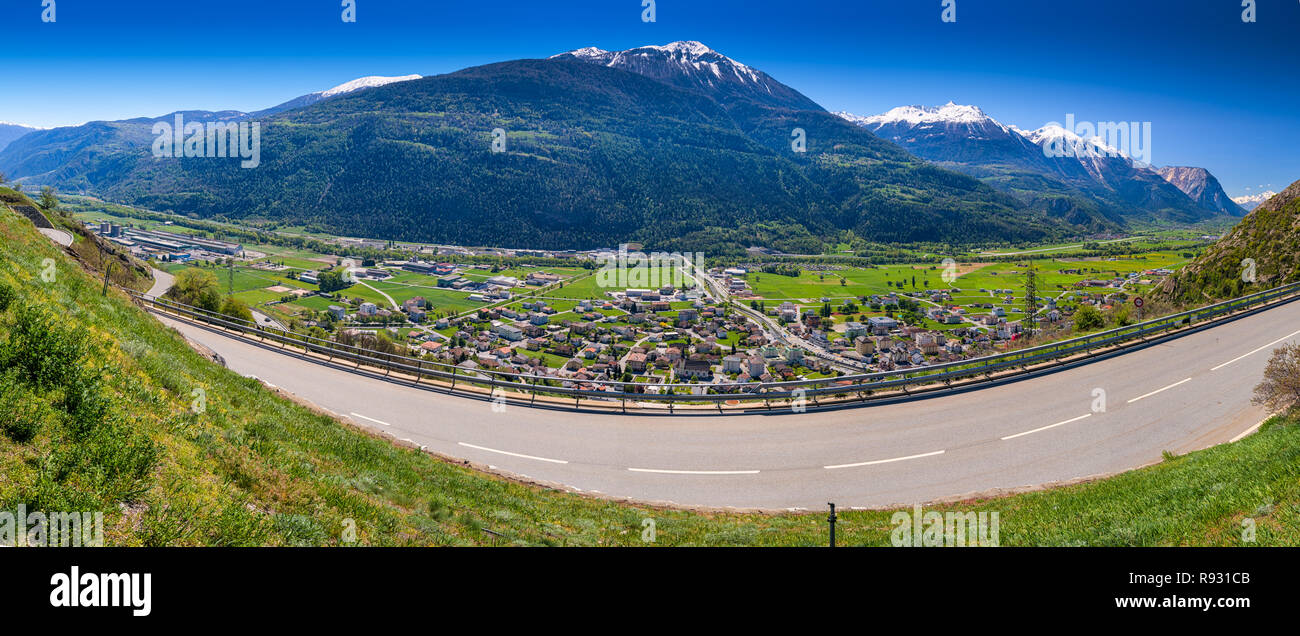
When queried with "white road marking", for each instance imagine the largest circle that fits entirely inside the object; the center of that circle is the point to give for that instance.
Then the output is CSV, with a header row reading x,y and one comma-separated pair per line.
x,y
371,419
1143,397
1239,358
884,461
1249,431
1081,417
694,472
493,450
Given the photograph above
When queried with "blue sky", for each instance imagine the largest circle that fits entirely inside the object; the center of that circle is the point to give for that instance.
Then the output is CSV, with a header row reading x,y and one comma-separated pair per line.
x,y
1219,93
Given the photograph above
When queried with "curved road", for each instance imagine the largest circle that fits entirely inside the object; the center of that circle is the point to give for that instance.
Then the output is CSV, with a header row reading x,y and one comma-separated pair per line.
x,y
62,237
1183,395
162,281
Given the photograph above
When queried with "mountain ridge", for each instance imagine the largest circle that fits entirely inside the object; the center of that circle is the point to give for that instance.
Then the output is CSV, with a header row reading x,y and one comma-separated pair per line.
x,y
1052,168
1202,187
596,155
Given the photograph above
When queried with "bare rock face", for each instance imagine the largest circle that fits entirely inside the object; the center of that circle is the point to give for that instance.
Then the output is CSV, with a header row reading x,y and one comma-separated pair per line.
x,y
1202,187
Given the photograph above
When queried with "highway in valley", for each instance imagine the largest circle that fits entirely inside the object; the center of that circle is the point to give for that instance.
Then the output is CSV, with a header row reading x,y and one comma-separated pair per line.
x,y
1182,395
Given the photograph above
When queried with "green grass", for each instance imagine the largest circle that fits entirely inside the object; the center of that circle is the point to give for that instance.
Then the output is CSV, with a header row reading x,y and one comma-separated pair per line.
x,y
813,286
255,469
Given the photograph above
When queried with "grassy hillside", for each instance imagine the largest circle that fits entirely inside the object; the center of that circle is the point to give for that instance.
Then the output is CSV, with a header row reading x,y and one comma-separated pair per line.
x,y
93,253
1270,236
96,400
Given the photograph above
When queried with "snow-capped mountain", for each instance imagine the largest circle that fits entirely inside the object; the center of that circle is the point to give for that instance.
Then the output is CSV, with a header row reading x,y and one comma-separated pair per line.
x,y
1202,187
1051,166
694,66
362,83
953,133
1249,202
373,81
9,132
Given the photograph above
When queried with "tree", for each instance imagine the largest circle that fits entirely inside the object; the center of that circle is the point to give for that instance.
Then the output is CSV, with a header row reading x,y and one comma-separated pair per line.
x,y
3,179
1280,389
235,308
48,200
198,288
1087,318
333,281
1031,301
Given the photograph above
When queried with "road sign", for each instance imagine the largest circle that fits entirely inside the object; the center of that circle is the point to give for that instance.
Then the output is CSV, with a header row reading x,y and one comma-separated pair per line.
x,y
1138,302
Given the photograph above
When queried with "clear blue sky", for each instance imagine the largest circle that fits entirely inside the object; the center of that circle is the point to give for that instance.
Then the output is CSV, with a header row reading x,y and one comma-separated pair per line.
x,y
1219,93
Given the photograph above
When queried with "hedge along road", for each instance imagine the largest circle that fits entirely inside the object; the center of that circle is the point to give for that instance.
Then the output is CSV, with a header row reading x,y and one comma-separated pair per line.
x,y
1182,395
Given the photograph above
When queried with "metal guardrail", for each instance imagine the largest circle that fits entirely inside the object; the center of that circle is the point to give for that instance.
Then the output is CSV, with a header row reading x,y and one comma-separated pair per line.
x,y
704,393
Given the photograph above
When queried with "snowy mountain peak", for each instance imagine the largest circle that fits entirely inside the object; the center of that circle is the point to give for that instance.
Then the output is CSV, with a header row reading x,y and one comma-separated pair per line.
x,y
1067,143
686,56
372,81
1249,202
693,65
1255,198
686,47
950,113
588,53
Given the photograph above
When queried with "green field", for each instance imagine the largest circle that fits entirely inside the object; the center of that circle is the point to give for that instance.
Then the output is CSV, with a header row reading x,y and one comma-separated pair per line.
x,y
810,287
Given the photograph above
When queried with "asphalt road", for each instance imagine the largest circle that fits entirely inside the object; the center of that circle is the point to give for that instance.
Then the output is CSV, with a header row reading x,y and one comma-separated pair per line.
x,y
62,237
162,281
1179,396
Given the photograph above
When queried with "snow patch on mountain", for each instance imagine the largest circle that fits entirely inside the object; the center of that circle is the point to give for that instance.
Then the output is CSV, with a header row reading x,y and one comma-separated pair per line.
x,y
9,123
684,54
373,81
694,66
1254,198
950,113
1054,136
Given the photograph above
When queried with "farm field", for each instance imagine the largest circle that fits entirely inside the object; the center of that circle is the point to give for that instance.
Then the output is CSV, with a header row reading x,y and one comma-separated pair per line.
x,y
589,288
840,284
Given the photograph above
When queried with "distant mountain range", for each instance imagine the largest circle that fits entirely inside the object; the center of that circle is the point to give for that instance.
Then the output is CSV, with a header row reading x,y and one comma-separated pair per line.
x,y
1252,201
10,132
1093,185
675,146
